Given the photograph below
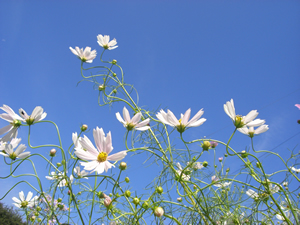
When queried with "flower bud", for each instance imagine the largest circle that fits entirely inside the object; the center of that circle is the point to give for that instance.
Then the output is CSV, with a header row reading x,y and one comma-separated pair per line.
x,y
298,121
59,200
38,208
114,61
227,170
244,154
127,179
32,218
179,199
258,165
205,145
114,91
205,164
58,164
225,155
220,159
159,190
159,211
69,192
136,201
39,220
216,166
107,201
145,205
213,144
114,74
101,87
84,127
123,166
52,152
127,193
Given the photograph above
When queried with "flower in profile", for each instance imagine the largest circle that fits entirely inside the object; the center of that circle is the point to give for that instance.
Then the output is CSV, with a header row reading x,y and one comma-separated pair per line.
x,y
213,144
59,176
296,170
104,42
251,132
79,173
252,194
85,55
37,114
133,123
298,106
22,202
241,121
181,173
215,180
18,153
15,122
98,157
181,124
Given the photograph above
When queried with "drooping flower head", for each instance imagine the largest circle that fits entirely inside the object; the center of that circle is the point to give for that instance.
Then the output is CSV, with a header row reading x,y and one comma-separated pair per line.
x,y
251,132
18,153
98,157
37,114
85,55
104,42
241,121
133,123
183,123
24,203
15,122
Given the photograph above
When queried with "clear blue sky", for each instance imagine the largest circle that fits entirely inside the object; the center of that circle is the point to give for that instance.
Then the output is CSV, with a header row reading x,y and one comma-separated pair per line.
x,y
177,54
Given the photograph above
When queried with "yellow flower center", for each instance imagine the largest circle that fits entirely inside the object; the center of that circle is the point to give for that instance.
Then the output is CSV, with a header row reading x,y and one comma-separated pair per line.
x,y
105,46
24,204
102,157
239,122
16,123
251,134
83,59
30,120
180,128
130,126
13,156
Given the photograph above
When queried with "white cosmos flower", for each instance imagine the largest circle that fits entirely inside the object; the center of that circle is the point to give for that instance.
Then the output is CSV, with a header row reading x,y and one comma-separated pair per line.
x,y
219,184
18,153
104,42
59,176
85,55
241,121
37,114
182,173
98,157
181,124
22,202
296,170
134,121
15,122
251,132
79,173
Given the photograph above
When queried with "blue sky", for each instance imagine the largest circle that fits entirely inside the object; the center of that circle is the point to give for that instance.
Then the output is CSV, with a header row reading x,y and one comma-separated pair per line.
x,y
178,55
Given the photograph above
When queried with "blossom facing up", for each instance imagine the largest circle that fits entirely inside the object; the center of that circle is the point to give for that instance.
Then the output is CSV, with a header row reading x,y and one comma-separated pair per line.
x,y
241,121
181,124
133,123
18,153
80,174
22,202
181,173
215,180
85,55
104,42
98,157
251,132
14,120
37,114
